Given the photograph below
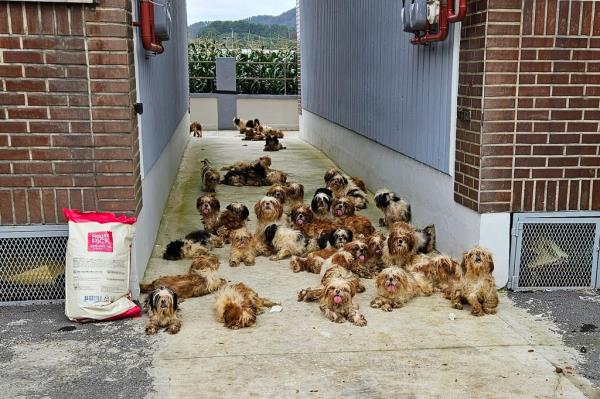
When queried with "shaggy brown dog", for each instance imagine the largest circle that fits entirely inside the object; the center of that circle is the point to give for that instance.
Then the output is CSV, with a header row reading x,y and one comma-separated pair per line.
x,y
302,218
330,244
426,239
285,241
243,124
279,192
295,195
343,186
210,176
202,281
477,286
338,288
238,305
395,287
275,177
401,247
376,244
442,271
161,307
268,210
232,218
321,204
203,263
343,209
394,208
244,173
272,144
209,207
353,256
253,135
242,248
196,129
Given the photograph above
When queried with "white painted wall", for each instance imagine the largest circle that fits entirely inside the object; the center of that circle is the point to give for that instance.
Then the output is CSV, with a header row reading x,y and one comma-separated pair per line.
x,y
279,113
495,236
156,187
204,110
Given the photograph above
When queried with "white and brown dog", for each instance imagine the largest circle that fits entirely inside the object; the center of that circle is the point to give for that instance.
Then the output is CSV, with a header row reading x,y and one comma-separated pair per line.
x,y
268,210
162,310
238,305
344,186
285,241
394,208
209,207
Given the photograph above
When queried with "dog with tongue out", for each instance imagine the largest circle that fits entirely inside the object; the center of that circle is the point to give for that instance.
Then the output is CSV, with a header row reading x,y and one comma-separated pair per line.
x,y
395,287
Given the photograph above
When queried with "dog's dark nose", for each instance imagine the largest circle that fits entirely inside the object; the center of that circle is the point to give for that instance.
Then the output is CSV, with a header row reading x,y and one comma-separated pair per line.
x,y
477,258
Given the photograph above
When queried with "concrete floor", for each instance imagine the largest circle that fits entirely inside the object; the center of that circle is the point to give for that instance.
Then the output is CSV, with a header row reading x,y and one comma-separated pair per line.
x,y
414,352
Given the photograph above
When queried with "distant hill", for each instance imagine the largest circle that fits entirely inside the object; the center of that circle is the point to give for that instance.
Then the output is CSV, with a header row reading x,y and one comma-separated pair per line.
x,y
245,26
288,19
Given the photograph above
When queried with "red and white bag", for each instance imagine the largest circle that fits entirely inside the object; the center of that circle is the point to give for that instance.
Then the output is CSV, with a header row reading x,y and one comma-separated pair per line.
x,y
97,267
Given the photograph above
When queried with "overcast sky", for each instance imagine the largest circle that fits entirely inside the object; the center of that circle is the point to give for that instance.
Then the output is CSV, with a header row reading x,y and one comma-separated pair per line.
x,y
212,10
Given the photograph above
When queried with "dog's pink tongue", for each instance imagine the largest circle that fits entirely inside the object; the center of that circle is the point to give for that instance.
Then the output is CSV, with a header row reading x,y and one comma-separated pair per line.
x,y
337,299
361,258
300,222
338,212
391,288
205,211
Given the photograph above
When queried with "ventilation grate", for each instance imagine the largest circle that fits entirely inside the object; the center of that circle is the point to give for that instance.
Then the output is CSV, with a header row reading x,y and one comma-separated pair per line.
x,y
555,253
32,266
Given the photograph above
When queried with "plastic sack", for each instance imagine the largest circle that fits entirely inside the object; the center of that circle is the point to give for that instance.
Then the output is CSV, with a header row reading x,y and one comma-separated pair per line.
x,y
98,265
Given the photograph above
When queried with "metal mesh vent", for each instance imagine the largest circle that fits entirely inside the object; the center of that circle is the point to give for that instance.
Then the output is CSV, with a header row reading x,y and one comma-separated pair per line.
x,y
32,268
555,253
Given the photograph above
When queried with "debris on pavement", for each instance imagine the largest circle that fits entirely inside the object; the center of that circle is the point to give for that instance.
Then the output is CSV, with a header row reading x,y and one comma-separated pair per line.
x,y
276,309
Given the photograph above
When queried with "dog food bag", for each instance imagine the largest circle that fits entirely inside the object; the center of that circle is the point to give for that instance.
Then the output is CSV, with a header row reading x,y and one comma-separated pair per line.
x,y
98,266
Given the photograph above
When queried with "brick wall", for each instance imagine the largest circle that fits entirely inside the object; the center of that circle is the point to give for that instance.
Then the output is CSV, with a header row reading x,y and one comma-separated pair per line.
x,y
68,135
530,77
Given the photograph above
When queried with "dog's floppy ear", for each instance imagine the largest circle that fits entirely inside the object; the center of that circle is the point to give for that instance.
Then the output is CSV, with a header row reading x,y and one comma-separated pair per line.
x,y
408,214
395,198
332,237
245,212
314,204
324,238
463,263
270,233
151,299
344,180
214,203
350,235
256,121
173,250
174,295
260,170
230,207
382,200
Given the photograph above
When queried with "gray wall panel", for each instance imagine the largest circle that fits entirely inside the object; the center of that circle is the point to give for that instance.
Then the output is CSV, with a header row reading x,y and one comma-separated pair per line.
x,y
360,71
163,87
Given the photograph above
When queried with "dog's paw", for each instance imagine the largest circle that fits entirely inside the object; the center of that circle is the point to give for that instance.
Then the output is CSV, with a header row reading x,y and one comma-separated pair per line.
x,y
489,310
458,306
233,263
173,328
151,330
274,257
477,312
382,222
386,307
359,320
302,295
249,263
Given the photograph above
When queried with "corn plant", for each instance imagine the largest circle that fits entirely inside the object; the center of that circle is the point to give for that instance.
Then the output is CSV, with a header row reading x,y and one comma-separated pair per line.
x,y
259,71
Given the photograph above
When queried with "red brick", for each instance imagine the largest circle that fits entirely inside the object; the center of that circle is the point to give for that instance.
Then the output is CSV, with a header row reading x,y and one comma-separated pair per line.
x,y
15,181
27,113
548,150
49,127
25,85
23,57
34,168
46,99
53,181
563,138
34,206
9,42
68,85
30,140
44,71
66,57
75,199
20,206
573,195
12,99
580,172
16,17
70,167
567,91
565,115
69,113
596,183
108,30
13,127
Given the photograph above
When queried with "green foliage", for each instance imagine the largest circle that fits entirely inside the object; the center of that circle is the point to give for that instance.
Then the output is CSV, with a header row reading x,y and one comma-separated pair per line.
x,y
259,71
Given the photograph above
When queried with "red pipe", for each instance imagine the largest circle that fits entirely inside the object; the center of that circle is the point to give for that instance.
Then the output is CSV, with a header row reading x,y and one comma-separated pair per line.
x,y
462,11
149,40
442,24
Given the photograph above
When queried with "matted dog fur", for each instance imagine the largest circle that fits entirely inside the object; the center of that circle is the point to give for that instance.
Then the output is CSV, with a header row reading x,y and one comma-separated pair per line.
x,y
395,287
394,208
477,285
208,207
238,305
243,248
210,176
336,296
285,241
344,211
162,309
196,129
